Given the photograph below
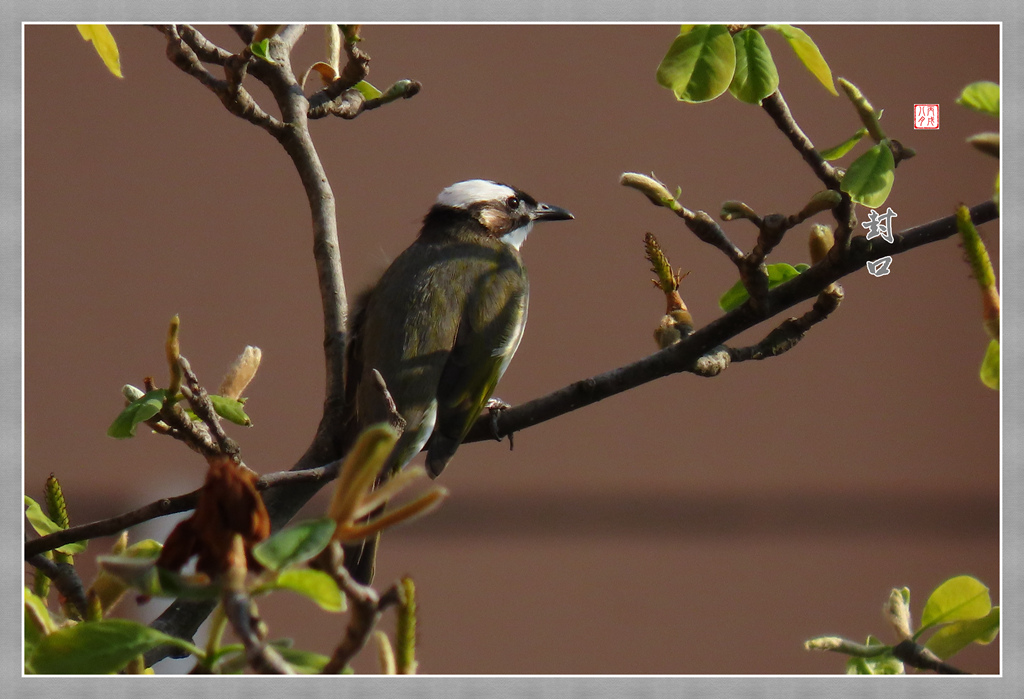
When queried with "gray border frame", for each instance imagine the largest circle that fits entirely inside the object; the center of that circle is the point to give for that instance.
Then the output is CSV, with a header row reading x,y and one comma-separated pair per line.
x,y
610,11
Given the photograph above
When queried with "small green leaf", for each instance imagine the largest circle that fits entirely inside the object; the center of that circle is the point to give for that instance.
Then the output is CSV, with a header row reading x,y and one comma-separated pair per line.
x,y
302,661
314,584
836,152
147,548
699,64
807,51
38,621
103,41
142,574
98,647
261,49
869,178
755,76
44,525
777,274
368,90
884,664
295,544
981,96
990,365
958,599
231,409
137,411
953,638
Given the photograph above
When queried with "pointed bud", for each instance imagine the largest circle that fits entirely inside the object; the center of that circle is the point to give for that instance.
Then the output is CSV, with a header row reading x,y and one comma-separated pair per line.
x,y
173,350
405,634
732,210
987,143
865,111
654,190
897,612
385,655
821,241
240,373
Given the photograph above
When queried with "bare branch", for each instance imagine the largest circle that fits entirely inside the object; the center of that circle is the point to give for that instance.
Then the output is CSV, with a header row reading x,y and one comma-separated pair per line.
x,y
241,613
682,355
367,607
66,580
702,225
203,408
778,110
918,656
113,525
791,331
237,100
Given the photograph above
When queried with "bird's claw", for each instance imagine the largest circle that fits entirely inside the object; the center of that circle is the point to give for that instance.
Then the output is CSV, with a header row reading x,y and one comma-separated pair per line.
x,y
495,406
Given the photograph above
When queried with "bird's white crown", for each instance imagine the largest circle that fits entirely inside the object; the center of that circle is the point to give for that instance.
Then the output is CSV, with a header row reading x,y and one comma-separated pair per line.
x,y
463,194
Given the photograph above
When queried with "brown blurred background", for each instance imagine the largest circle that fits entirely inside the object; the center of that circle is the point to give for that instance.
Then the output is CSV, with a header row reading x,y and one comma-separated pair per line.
x,y
689,526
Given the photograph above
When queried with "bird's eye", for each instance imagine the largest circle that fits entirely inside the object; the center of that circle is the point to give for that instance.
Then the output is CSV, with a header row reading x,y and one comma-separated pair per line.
x,y
512,202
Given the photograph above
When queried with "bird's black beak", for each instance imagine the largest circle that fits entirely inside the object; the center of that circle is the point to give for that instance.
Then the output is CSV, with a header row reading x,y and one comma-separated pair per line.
x,y
547,212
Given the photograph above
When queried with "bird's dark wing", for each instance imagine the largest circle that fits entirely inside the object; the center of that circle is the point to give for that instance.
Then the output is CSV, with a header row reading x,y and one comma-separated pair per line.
x,y
489,333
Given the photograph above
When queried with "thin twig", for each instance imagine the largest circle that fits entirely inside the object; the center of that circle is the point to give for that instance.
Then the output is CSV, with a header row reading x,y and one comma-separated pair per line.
x,y
844,213
367,607
169,506
791,331
237,101
65,579
113,525
199,399
778,110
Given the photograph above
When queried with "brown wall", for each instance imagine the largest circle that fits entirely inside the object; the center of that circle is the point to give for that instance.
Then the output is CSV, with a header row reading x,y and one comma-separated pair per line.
x,y
689,526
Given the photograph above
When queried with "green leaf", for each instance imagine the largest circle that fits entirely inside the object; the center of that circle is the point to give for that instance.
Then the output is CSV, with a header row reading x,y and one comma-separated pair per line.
x,y
43,525
147,548
231,410
38,622
953,638
699,64
843,148
807,51
981,96
368,90
314,584
958,599
295,544
98,647
151,580
990,365
884,664
302,661
137,411
869,178
103,41
755,76
777,274
260,49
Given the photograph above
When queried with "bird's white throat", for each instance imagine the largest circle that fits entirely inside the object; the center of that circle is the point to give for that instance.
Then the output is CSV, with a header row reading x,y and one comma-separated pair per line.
x,y
517,236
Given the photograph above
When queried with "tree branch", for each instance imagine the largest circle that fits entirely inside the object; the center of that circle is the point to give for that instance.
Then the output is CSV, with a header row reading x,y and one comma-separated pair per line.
x,y
66,580
367,607
682,355
918,656
314,477
237,100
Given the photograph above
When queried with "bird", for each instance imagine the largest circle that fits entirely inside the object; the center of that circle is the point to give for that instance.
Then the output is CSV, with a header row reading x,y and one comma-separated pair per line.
x,y
445,319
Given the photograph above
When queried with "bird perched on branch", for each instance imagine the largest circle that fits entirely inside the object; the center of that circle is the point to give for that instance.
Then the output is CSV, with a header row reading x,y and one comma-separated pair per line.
x,y
444,320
